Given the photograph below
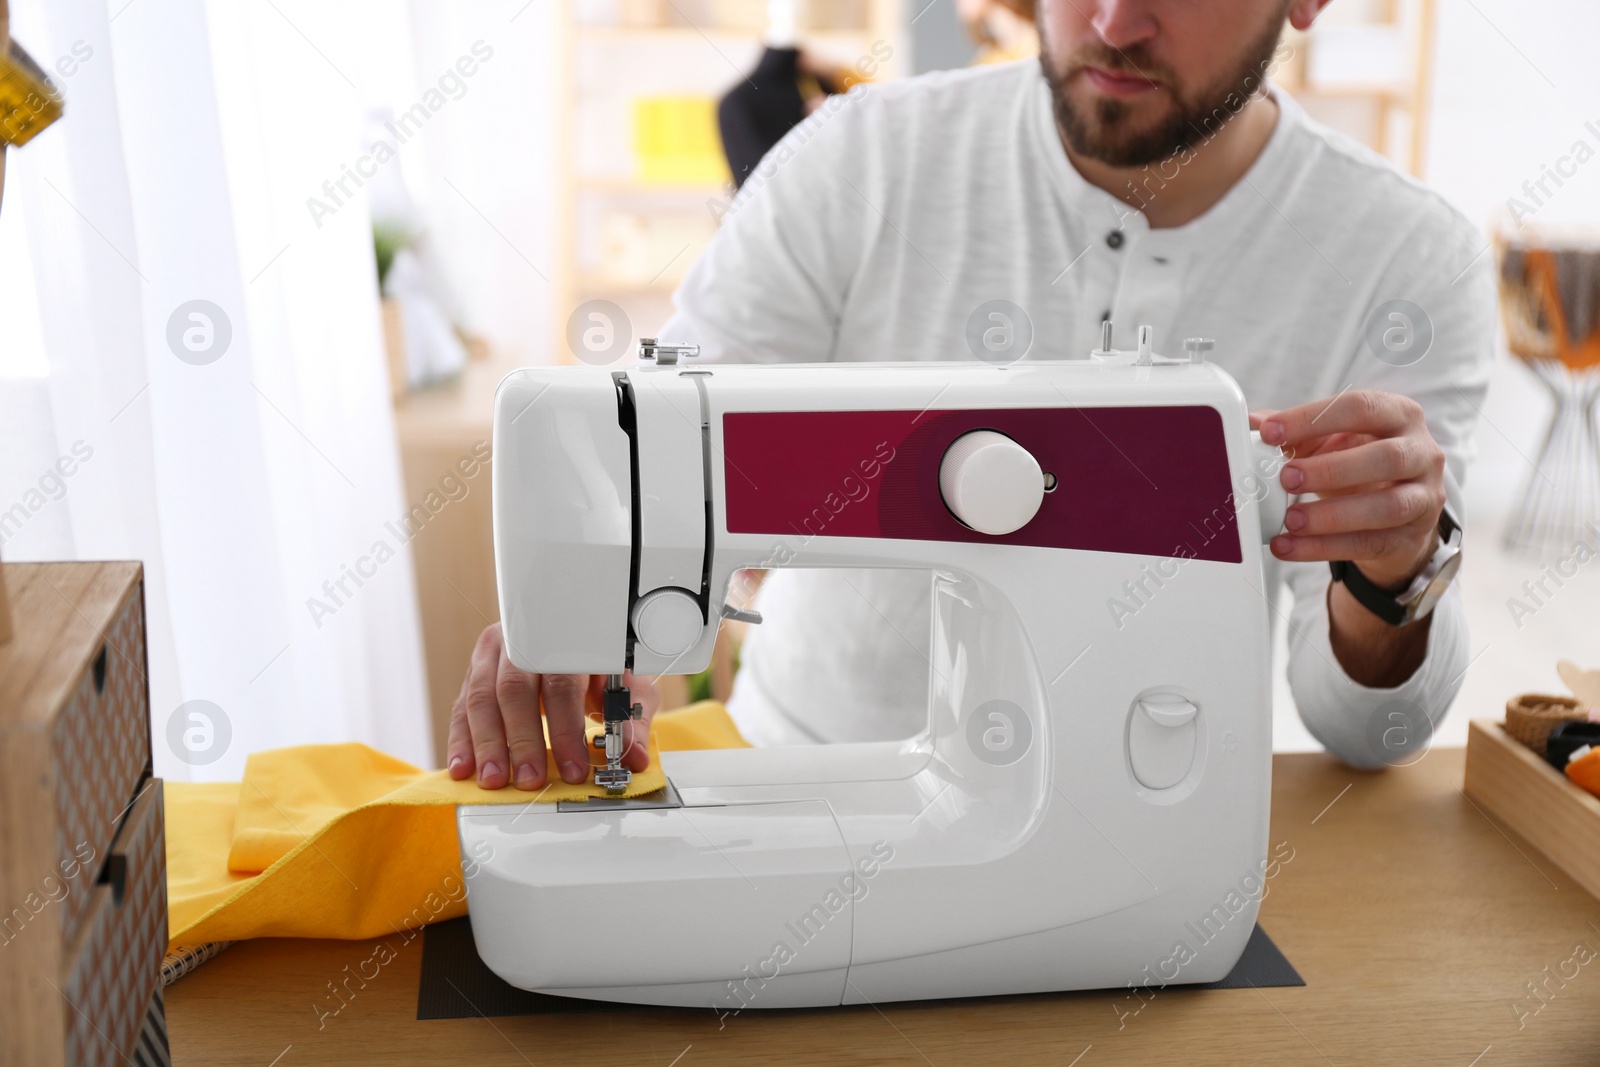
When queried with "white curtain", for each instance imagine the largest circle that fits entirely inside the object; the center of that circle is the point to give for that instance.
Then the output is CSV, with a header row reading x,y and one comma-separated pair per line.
x,y
252,484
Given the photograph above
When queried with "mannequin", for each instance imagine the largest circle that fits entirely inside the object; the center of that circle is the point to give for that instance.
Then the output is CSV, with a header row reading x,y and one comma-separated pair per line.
x,y
786,85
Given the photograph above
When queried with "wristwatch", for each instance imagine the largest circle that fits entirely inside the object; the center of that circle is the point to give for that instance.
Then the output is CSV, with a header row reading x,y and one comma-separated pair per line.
x,y
1417,599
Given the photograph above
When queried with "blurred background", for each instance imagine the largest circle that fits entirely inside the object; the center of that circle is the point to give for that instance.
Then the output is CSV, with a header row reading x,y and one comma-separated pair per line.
x,y
257,286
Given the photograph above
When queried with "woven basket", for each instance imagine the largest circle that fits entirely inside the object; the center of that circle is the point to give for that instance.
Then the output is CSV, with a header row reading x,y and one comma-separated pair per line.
x,y
1531,716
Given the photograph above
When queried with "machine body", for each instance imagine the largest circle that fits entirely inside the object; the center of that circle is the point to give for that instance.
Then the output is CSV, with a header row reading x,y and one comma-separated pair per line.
x,y
1088,804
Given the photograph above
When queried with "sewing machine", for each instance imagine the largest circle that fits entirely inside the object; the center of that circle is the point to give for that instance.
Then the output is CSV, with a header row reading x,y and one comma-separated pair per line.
x,y
1087,807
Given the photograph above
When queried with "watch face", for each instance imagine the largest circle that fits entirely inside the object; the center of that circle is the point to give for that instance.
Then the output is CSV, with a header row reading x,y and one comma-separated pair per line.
x,y
1436,586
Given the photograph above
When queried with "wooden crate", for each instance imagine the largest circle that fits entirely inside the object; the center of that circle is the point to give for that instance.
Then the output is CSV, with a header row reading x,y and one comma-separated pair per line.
x,y
1537,801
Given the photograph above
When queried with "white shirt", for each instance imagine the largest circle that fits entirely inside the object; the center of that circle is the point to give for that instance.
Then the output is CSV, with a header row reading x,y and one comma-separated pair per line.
x,y
875,229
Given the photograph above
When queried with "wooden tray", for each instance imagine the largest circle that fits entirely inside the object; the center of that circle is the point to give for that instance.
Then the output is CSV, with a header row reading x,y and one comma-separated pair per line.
x,y
1534,799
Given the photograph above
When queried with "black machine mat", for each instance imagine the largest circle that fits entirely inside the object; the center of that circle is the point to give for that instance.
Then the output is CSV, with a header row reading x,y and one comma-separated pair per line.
x,y
456,984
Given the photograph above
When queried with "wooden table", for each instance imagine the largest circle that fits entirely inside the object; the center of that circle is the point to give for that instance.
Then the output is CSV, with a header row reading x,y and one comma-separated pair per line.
x,y
1416,921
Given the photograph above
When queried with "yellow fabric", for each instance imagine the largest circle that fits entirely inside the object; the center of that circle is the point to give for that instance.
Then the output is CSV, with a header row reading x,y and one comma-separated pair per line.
x,y
348,842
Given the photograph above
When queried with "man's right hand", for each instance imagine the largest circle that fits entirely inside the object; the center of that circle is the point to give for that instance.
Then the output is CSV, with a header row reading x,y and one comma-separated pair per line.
x,y
495,730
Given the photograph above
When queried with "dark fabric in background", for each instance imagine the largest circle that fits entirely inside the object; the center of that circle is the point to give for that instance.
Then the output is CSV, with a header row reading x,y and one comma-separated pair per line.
x,y
761,108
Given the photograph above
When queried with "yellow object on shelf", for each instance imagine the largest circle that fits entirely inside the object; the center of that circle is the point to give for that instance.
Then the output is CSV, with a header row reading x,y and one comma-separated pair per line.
x,y
675,141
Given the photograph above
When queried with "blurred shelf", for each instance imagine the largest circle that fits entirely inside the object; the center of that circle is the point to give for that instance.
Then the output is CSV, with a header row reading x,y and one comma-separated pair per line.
x,y
1395,94
671,34
604,283
605,184
609,218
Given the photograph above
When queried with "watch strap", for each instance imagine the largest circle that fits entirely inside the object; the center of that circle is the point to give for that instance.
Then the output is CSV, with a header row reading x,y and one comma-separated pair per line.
x,y
1448,526
1387,606
1382,604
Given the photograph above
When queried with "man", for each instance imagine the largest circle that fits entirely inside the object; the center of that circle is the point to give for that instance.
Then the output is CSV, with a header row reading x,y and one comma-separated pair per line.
x,y
1149,177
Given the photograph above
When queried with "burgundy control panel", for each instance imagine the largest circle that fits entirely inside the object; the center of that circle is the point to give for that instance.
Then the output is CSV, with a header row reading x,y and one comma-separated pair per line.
x,y
1142,480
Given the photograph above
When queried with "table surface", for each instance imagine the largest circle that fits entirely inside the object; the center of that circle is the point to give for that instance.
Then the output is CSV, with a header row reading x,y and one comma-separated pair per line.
x,y
1417,922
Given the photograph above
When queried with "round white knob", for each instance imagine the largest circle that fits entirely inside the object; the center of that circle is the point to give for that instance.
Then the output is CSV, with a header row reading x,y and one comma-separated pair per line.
x,y
1273,505
668,621
990,482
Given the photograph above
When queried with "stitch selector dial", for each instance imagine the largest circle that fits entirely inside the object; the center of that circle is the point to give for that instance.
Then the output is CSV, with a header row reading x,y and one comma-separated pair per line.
x,y
991,483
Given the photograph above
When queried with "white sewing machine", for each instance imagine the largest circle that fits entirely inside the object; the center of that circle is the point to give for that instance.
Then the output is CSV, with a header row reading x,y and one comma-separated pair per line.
x,y
1087,807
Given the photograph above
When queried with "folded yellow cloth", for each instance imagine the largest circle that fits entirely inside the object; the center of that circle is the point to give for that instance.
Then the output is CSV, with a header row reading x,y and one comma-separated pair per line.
x,y
348,842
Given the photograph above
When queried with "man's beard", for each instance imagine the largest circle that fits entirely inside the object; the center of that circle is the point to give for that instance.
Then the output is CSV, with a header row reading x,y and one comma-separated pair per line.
x,y
1102,130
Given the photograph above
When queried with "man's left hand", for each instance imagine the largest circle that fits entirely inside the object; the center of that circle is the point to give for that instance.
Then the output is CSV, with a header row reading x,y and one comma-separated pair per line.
x,y
1379,478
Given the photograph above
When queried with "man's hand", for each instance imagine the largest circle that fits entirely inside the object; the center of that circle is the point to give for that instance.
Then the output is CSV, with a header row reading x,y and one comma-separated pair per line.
x,y
1379,478
495,727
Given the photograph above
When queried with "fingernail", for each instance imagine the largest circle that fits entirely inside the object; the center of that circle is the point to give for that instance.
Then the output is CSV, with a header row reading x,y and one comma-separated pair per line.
x,y
571,772
1282,546
487,771
1294,519
455,765
1272,432
1292,478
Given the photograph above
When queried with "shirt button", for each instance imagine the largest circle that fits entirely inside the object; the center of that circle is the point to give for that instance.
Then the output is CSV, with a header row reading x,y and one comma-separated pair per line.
x,y
1114,238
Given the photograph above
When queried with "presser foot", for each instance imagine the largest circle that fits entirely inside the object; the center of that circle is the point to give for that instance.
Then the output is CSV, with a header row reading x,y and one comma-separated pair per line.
x,y
614,778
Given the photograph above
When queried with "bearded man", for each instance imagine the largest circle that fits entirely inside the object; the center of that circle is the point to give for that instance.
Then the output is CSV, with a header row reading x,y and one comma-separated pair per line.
x,y
1143,171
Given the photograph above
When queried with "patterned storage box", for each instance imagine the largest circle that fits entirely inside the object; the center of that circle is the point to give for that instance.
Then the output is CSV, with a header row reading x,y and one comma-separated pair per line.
x,y
115,966
104,726
83,909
